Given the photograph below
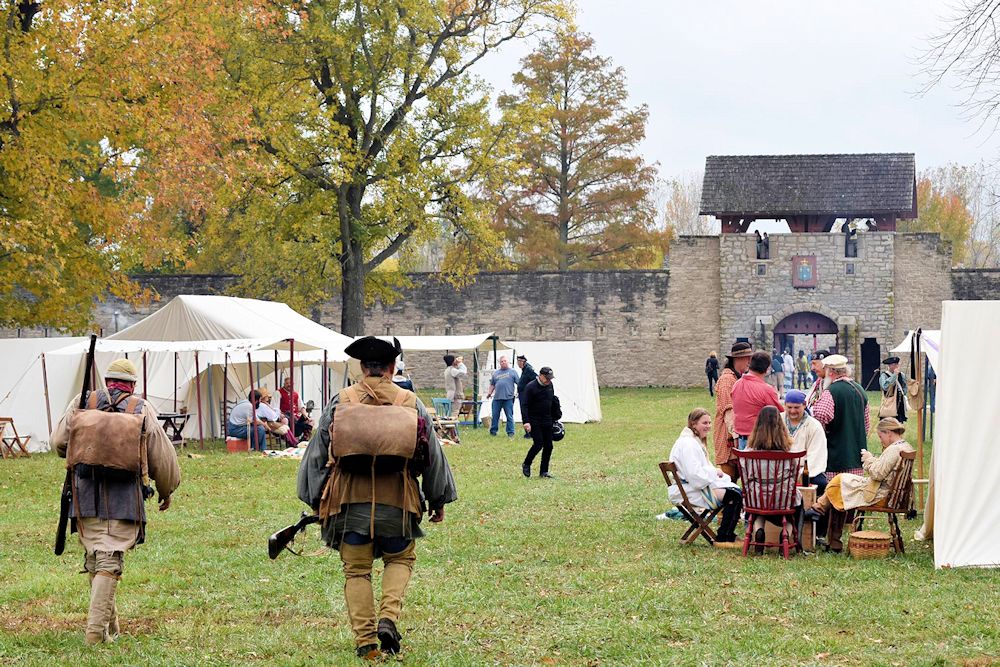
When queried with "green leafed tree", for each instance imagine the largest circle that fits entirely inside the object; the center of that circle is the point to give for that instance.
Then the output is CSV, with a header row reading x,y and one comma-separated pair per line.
x,y
583,196
108,127
372,135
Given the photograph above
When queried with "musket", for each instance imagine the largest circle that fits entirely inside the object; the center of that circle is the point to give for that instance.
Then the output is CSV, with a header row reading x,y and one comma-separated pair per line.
x,y
284,537
66,497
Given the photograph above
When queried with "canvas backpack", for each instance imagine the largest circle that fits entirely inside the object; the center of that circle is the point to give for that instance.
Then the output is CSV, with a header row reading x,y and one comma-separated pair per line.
x,y
108,440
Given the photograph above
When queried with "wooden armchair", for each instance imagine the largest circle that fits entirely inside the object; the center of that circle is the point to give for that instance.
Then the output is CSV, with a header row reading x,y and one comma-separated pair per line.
x,y
698,518
897,502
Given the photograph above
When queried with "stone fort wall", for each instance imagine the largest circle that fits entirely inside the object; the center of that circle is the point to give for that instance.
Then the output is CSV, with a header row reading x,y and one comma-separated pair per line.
x,y
656,327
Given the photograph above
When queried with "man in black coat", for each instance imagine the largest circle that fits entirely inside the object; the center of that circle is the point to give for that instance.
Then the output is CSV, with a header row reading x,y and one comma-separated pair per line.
x,y
539,409
528,374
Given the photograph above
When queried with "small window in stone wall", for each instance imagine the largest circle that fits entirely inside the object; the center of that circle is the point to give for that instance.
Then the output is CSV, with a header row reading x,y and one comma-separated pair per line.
x,y
600,331
511,332
849,268
762,269
539,331
663,331
388,330
633,330
418,329
571,331
449,330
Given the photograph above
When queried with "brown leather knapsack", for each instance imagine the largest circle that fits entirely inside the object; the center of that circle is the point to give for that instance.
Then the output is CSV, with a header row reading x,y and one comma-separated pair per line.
x,y
106,438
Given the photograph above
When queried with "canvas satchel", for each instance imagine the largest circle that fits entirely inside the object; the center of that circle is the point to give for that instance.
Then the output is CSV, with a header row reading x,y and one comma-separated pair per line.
x,y
888,406
108,438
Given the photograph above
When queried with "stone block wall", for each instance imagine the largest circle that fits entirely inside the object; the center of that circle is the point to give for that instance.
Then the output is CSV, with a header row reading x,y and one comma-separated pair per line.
x,y
691,318
975,284
854,292
921,282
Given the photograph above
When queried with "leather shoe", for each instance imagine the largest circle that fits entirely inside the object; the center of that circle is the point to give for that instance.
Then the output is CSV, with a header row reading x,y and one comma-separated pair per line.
x,y
526,469
759,536
388,636
368,652
547,475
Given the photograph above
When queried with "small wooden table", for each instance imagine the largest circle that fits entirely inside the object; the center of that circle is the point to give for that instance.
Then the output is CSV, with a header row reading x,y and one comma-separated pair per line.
x,y
173,423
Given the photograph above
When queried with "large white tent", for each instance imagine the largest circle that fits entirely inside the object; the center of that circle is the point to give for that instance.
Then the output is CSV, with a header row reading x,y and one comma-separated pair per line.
x,y
930,344
965,466
575,376
220,340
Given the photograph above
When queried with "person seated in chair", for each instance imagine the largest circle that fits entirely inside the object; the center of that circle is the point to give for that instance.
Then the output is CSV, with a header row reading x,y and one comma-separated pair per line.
x,y
705,485
273,422
770,435
847,491
243,415
304,423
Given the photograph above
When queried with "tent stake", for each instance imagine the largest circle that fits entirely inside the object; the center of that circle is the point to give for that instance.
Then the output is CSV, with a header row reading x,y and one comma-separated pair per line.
x,y
197,391
45,385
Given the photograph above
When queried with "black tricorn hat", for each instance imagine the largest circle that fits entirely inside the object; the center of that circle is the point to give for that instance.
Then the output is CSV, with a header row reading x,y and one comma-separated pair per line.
x,y
371,348
890,360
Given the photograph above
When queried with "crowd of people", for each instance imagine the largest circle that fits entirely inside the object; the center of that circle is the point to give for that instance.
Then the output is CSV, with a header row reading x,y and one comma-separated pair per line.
x,y
829,422
253,418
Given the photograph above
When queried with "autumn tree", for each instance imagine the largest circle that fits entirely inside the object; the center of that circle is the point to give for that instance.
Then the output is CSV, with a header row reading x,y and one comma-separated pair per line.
x,y
943,207
679,201
108,128
582,198
373,133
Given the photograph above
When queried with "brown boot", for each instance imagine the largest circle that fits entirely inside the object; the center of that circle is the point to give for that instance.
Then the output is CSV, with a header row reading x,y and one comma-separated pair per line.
x,y
102,602
835,530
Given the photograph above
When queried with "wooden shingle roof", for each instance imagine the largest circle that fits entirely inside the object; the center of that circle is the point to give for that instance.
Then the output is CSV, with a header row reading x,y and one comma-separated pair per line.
x,y
855,185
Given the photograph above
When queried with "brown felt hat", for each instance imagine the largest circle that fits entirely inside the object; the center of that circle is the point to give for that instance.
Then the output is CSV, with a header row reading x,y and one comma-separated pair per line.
x,y
891,424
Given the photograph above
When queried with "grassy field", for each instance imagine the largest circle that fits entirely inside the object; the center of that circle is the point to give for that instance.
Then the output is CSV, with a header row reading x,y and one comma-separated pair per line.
x,y
570,571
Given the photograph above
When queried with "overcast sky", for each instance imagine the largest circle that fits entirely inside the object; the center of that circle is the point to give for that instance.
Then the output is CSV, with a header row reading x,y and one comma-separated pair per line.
x,y
755,77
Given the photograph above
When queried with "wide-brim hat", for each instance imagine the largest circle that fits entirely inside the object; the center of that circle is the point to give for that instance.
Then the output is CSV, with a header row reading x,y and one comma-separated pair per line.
x,y
891,424
888,361
371,348
835,361
122,369
740,349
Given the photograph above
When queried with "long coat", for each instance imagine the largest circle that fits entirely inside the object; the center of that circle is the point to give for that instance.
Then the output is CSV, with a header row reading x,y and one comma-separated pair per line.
x,y
724,417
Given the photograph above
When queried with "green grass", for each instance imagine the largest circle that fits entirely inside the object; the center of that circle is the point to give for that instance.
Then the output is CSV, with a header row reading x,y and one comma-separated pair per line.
x,y
571,571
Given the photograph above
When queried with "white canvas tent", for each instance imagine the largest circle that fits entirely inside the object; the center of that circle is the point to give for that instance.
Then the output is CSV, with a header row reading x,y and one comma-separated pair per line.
x,y
22,385
191,337
575,376
965,465
930,344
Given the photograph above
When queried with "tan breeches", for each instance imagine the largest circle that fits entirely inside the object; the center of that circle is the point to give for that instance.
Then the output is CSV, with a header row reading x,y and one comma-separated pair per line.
x,y
358,593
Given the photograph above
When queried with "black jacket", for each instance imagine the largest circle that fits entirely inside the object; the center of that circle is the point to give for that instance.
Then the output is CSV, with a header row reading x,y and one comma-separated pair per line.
x,y
539,404
528,374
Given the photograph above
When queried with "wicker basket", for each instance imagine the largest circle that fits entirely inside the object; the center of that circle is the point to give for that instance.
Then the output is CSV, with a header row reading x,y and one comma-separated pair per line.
x,y
869,544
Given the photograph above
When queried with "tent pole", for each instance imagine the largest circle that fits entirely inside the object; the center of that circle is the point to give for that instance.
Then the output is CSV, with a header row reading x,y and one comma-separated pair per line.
x,y
225,393
144,375
211,401
252,427
276,369
324,377
258,376
45,385
197,391
291,390
175,382
475,385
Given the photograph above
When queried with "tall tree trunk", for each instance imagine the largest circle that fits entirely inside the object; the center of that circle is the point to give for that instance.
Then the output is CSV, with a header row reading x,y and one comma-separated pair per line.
x,y
352,264
563,203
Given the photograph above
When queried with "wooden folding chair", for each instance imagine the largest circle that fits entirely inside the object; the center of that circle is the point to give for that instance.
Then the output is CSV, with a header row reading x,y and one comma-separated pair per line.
x,y
770,482
12,446
897,502
698,518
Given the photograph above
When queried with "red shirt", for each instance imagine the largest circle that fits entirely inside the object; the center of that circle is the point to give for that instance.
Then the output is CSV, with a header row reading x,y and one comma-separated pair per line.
x,y
750,394
289,403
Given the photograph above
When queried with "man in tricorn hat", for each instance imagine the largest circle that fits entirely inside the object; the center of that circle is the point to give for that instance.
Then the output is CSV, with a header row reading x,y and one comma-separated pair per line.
x,y
737,363
893,390
374,513
109,514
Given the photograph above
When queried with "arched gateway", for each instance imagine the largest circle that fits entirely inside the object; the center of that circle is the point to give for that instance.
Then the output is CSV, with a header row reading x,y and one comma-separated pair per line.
x,y
802,324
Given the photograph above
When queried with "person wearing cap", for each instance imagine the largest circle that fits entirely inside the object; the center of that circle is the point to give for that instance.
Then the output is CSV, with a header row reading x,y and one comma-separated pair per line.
x,y
751,394
893,391
108,514
454,378
272,421
847,491
503,383
819,384
843,411
528,374
724,436
540,408
400,377
371,514
807,436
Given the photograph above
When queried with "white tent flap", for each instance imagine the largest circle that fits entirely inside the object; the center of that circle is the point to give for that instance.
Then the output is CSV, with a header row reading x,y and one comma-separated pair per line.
x,y
965,462
930,344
